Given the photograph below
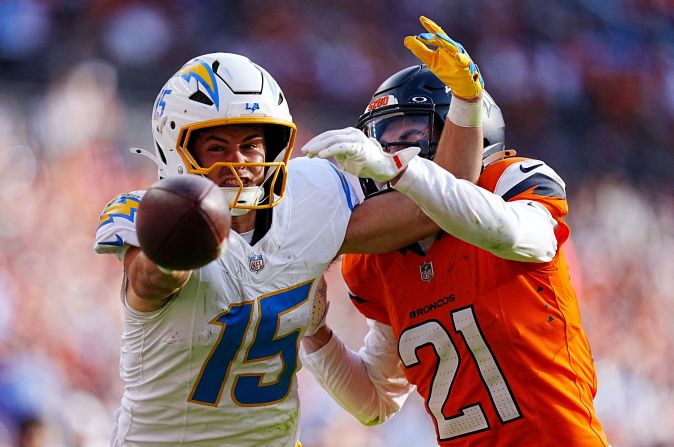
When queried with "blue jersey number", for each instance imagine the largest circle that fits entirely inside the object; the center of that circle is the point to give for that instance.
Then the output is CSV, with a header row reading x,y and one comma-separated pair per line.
x,y
235,323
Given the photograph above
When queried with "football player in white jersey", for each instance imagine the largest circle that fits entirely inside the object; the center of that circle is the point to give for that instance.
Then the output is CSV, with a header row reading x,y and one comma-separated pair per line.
x,y
209,357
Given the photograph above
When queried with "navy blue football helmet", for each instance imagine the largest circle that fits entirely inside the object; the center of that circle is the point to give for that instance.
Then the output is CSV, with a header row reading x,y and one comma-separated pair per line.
x,y
417,96
416,92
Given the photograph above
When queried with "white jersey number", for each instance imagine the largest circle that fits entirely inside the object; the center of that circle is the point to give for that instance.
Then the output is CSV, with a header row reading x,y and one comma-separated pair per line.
x,y
236,322
472,418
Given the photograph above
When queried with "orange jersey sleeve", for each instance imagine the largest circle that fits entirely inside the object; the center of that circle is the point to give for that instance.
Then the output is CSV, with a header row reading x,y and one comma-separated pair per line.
x,y
518,178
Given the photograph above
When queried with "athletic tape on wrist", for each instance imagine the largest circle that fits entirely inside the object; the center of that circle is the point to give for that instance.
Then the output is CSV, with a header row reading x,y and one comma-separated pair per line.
x,y
464,113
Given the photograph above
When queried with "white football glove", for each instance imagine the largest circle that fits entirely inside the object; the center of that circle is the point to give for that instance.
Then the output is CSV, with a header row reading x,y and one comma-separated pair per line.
x,y
358,154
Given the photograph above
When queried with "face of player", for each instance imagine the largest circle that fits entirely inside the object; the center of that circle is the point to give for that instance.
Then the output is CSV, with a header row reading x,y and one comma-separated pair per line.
x,y
233,144
404,130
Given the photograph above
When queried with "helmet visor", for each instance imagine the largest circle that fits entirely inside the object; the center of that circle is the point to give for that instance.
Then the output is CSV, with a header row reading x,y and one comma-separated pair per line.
x,y
397,130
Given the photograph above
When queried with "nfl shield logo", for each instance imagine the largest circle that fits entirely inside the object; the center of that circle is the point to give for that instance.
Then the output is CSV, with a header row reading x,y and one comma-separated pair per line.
x,y
256,263
426,271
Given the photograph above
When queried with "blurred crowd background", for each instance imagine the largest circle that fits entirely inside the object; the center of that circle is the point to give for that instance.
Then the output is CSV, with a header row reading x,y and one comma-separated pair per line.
x,y
586,85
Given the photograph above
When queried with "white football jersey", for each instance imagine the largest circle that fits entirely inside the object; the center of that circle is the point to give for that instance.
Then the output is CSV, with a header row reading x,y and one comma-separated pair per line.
x,y
217,365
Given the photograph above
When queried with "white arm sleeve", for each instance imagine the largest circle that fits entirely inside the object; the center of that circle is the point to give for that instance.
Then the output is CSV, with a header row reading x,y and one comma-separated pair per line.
x,y
518,230
369,384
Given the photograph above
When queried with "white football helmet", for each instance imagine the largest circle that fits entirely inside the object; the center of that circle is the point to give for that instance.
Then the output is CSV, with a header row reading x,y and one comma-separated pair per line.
x,y
214,90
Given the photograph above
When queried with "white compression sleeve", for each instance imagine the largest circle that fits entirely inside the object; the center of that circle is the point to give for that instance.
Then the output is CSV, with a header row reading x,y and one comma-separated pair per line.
x,y
519,230
369,384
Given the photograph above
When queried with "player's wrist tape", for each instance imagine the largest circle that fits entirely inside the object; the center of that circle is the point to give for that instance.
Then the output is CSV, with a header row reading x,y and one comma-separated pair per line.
x,y
464,113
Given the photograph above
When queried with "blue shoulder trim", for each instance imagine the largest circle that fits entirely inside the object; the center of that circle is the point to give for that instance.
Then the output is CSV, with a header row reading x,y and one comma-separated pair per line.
x,y
345,186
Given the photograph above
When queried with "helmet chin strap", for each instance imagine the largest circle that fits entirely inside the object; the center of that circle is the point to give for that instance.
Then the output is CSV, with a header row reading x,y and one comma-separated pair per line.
x,y
250,196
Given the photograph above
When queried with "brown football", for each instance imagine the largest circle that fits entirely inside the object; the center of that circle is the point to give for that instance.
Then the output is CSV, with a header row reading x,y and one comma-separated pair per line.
x,y
183,222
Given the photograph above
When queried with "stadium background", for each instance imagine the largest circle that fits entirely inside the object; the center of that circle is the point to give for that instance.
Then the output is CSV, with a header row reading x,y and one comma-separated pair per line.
x,y
587,85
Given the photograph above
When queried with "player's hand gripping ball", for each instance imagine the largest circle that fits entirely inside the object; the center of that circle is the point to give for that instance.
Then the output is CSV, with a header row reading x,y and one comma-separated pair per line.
x,y
183,222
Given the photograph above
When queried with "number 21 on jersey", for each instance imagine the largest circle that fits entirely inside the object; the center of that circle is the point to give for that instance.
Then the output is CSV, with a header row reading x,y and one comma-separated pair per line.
x,y
236,323
472,418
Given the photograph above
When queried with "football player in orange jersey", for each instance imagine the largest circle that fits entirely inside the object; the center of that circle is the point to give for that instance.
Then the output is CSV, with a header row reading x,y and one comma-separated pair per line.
x,y
482,317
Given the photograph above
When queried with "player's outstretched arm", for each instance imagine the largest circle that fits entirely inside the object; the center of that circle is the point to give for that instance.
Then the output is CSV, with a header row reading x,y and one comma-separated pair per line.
x,y
148,286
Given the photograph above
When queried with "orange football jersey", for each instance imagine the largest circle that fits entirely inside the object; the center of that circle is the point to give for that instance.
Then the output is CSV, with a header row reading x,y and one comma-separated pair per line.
x,y
495,347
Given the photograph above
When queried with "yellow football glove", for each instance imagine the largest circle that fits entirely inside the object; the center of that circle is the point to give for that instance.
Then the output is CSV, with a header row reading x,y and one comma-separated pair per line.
x,y
449,61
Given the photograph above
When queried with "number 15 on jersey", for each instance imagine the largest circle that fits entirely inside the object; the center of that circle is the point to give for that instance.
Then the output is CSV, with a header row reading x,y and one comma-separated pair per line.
x,y
266,343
